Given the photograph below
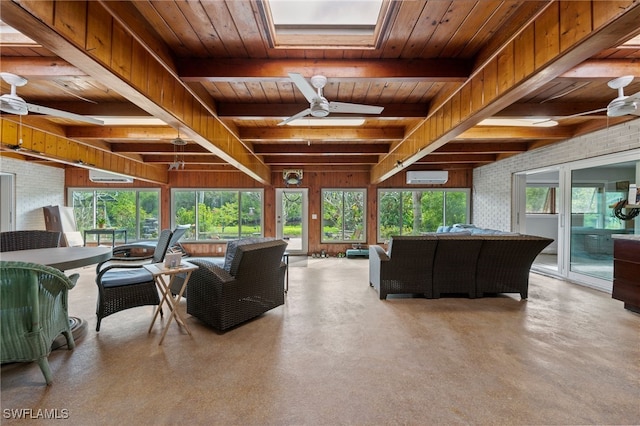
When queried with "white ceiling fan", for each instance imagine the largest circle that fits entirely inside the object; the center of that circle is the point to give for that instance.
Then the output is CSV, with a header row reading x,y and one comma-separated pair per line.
x,y
319,106
11,103
623,105
618,107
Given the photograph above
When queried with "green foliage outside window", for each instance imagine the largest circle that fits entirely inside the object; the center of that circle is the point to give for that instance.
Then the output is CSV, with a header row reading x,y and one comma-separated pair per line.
x,y
218,215
343,215
137,211
419,211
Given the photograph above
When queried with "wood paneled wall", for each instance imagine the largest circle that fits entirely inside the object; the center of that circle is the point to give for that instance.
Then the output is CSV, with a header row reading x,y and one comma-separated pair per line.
x,y
314,180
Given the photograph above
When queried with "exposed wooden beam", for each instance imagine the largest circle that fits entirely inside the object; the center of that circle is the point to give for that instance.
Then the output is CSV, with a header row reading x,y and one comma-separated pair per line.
x,y
157,148
107,109
482,147
239,70
497,132
191,159
550,109
46,68
319,159
328,134
49,146
604,68
122,132
332,148
117,51
457,158
254,111
564,35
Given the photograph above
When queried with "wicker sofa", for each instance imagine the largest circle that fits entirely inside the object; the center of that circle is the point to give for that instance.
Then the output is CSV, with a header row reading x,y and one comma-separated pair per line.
x,y
254,284
459,262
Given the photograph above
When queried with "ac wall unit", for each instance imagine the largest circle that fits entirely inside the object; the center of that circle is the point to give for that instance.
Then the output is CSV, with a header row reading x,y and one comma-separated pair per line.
x,y
99,176
430,177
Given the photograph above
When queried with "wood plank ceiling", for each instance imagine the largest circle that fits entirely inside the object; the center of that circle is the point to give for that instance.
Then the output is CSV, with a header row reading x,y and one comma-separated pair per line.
x,y
210,70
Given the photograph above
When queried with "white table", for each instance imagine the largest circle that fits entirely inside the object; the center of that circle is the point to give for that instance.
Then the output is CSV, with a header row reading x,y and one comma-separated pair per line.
x,y
160,272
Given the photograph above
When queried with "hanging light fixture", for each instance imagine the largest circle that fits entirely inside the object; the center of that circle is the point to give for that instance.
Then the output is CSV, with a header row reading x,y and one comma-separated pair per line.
x,y
178,149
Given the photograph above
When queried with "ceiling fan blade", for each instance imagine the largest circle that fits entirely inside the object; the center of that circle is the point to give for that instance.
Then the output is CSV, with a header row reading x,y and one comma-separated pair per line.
x,y
303,85
295,117
354,108
39,109
564,117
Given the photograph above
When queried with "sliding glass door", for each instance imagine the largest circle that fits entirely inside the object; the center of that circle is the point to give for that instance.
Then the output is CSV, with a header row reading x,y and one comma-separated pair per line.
x,y
595,193
579,206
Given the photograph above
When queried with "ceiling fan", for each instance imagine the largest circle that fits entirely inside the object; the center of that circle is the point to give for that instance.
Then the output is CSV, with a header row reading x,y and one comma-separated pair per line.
x,y
319,106
623,105
620,106
11,103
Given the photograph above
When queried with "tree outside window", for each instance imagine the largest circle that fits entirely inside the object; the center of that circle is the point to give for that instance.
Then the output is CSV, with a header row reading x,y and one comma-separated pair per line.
x,y
416,212
343,215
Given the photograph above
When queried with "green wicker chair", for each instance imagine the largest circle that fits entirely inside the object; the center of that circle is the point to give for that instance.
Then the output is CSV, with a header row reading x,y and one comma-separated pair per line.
x,y
33,312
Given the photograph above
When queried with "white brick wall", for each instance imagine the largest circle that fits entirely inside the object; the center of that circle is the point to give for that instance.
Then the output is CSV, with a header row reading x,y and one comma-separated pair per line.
x,y
36,186
492,183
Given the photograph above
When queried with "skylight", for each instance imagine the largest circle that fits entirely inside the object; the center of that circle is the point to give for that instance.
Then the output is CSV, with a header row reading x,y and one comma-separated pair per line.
x,y
339,24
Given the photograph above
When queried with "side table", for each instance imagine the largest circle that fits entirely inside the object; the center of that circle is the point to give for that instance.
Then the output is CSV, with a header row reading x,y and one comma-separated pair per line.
x,y
105,231
159,272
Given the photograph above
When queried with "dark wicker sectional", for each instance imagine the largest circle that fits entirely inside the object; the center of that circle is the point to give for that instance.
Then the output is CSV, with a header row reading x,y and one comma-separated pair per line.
x,y
436,264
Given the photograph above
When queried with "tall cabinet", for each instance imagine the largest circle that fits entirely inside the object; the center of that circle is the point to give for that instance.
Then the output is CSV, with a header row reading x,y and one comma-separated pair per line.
x,y
626,271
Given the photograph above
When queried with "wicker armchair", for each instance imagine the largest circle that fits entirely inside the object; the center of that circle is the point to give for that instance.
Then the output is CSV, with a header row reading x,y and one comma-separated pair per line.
x,y
33,312
28,240
123,283
253,285
405,267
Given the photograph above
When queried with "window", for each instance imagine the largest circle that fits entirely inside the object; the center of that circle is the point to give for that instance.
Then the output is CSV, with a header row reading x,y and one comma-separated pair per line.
x,y
218,214
592,206
415,212
137,211
542,199
343,215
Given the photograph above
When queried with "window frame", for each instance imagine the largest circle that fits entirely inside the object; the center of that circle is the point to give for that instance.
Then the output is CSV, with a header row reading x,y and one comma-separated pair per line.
x,y
197,231
363,236
467,191
137,191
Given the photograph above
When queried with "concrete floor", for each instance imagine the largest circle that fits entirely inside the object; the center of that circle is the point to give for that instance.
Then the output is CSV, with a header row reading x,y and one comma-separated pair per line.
x,y
336,354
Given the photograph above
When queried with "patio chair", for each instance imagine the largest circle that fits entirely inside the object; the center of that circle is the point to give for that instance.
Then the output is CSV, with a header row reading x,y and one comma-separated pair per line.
x,y
253,285
28,240
123,283
33,312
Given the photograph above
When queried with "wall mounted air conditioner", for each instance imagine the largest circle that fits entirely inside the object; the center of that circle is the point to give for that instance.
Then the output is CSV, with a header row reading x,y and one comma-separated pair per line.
x,y
430,177
99,176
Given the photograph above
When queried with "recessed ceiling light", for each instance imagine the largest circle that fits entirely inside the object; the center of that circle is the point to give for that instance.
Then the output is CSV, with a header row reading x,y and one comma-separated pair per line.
x,y
130,121
342,122
519,122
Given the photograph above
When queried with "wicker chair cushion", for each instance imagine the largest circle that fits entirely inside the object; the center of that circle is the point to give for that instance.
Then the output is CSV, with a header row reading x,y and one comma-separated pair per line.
x,y
120,277
232,246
